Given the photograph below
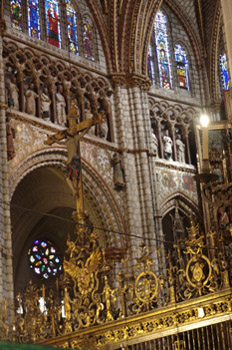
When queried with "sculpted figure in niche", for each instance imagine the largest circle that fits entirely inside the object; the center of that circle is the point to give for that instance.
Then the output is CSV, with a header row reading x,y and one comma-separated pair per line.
x,y
167,146
45,104
155,144
119,182
103,128
88,115
60,106
10,133
180,149
31,96
13,99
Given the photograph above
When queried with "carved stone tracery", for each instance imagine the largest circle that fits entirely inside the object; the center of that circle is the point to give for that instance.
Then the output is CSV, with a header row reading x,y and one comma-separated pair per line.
x,y
28,66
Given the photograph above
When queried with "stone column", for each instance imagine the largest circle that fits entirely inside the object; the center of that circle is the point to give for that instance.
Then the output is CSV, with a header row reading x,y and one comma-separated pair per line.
x,y
133,138
6,273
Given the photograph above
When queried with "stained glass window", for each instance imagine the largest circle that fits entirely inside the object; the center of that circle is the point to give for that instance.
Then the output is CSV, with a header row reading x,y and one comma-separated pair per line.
x,y
53,22
71,27
224,72
150,66
162,48
44,260
87,38
33,18
181,66
16,14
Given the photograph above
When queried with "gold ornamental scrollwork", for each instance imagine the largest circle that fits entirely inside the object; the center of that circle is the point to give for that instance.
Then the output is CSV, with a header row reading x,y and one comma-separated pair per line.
x,y
195,272
146,286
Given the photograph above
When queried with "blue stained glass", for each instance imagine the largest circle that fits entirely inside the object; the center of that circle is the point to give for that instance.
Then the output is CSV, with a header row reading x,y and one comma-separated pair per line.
x,y
181,66
71,27
224,72
162,47
53,22
36,242
43,244
16,14
33,18
150,66
87,38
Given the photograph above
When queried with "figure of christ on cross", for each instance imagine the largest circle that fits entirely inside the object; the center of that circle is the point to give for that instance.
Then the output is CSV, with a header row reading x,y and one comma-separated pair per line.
x,y
71,138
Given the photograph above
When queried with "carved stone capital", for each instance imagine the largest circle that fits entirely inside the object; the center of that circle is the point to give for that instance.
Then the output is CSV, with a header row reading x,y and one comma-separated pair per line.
x,y
128,80
118,79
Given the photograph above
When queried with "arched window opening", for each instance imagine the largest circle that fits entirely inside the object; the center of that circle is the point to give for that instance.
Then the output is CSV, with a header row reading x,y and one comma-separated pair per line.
x,y
87,33
43,20
33,18
182,66
53,22
71,17
224,72
150,66
162,48
16,14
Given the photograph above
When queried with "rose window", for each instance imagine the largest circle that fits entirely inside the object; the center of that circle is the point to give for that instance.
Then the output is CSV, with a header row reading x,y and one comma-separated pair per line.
x,y
44,259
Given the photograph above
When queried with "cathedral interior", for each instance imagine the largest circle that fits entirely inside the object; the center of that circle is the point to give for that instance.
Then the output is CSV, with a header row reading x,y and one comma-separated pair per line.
x,y
116,174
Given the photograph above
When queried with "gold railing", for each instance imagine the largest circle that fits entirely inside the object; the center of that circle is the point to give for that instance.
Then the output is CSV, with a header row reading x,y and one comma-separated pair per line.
x,y
88,304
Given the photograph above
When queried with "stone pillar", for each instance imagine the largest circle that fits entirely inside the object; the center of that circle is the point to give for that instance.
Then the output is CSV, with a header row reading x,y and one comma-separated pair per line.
x,y
6,272
133,138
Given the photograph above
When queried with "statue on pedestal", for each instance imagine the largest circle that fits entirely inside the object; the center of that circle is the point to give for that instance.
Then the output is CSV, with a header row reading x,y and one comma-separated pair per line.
x,y
31,96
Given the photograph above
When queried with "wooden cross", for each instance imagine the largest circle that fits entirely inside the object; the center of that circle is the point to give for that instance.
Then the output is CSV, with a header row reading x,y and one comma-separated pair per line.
x,y
71,138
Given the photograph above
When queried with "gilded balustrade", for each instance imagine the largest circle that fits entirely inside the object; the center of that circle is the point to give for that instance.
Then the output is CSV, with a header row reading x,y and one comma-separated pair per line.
x,y
85,295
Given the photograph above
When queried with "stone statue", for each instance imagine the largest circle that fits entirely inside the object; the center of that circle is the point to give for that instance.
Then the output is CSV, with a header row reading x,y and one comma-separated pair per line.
x,y
10,134
103,127
167,146
180,149
119,182
154,144
31,96
60,106
45,104
13,99
88,115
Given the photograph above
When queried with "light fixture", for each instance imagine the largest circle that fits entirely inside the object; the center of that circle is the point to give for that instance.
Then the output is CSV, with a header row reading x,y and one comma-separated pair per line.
x,y
204,120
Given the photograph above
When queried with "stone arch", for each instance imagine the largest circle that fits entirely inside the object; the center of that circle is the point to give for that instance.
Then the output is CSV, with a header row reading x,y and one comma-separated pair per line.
x,y
188,205
190,31
175,212
95,188
213,66
39,195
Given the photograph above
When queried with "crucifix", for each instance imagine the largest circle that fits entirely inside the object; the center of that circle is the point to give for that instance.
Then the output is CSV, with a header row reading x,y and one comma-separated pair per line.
x,y
71,137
